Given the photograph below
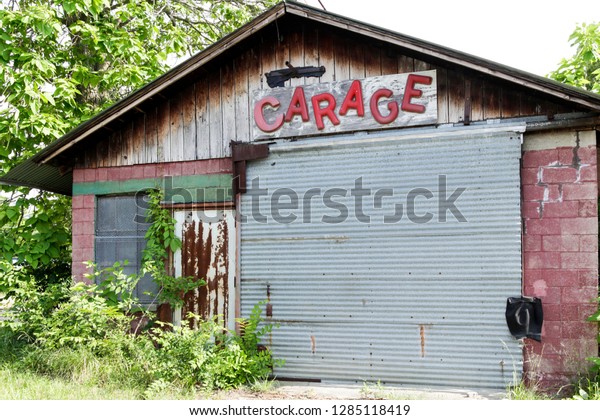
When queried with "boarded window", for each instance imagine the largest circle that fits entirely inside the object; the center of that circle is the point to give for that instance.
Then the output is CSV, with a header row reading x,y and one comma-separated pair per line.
x,y
120,229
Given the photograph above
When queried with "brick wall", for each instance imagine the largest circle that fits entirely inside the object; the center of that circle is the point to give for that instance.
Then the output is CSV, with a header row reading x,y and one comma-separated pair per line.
x,y
560,253
156,170
84,209
84,205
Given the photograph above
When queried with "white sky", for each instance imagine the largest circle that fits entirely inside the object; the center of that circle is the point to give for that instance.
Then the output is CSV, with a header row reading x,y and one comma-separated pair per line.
x,y
530,35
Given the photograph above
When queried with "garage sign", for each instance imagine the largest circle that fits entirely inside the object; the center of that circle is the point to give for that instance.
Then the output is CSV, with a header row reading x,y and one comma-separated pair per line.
x,y
373,103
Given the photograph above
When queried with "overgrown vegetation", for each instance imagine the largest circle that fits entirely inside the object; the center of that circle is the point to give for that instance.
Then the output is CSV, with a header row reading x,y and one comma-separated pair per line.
x,y
79,333
62,62
162,242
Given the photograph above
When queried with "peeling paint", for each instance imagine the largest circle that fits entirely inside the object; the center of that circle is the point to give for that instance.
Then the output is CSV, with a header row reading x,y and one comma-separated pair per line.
x,y
205,254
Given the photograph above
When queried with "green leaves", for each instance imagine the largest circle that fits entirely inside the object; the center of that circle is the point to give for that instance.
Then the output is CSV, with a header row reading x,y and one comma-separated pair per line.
x,y
583,69
161,241
63,61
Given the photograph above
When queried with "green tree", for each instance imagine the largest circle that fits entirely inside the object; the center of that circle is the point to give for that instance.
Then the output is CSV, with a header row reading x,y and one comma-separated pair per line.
x,y
583,68
63,61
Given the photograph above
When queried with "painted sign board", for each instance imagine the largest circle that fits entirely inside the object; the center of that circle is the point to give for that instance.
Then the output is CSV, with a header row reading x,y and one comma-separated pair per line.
x,y
372,103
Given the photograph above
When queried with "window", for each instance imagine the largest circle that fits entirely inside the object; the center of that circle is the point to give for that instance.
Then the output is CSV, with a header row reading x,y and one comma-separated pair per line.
x,y
120,229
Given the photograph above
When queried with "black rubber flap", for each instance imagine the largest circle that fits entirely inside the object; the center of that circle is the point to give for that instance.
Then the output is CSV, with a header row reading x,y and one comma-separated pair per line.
x,y
524,317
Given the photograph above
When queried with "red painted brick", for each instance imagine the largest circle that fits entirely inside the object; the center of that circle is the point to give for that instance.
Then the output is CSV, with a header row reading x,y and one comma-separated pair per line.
x,y
561,209
552,312
82,255
552,366
541,260
575,260
102,174
149,171
78,176
160,169
581,226
574,329
214,166
568,312
89,201
553,193
552,329
124,173
219,166
83,215
588,278
587,155
172,169
553,295
546,226
550,345
83,228
588,208
188,168
531,275
560,243
531,210
566,155
533,192
583,191
226,166
89,175
537,158
112,174
586,310
79,270
588,243
83,241
530,176
559,175
77,202
532,242
561,278
137,172
588,173
579,347
579,295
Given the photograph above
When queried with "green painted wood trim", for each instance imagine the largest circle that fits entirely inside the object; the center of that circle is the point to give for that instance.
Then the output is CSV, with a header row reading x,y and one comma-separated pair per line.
x,y
178,189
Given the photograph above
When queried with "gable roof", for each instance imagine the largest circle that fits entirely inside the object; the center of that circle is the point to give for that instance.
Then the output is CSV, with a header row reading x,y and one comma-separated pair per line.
x,y
39,172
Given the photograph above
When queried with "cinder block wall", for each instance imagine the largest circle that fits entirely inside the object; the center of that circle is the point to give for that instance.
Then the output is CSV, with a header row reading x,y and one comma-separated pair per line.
x,y
122,180
83,212
560,251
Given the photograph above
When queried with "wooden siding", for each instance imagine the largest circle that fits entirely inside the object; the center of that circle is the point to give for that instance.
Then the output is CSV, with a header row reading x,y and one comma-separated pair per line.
x,y
199,120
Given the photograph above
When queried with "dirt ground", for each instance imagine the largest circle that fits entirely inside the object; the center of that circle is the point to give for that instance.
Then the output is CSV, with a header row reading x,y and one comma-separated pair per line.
x,y
312,391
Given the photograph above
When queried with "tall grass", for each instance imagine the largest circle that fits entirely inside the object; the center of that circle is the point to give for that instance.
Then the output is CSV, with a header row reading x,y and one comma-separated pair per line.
x,y
24,385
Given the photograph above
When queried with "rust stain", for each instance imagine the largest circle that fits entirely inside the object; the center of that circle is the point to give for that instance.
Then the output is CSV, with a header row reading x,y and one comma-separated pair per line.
x,y
204,255
422,329
313,344
219,268
269,308
422,333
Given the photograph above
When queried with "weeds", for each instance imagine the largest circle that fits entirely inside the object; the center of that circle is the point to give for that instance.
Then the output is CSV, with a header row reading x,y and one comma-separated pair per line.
x,y
588,389
81,334
521,391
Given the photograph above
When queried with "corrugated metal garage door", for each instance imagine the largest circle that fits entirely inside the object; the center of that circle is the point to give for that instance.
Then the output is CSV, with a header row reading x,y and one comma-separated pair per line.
x,y
408,302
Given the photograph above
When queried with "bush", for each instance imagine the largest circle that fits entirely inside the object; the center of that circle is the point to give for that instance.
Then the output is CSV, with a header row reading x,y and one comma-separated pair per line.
x,y
82,333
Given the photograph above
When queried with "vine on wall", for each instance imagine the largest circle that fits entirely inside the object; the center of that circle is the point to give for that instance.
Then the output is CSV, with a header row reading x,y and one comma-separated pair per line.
x,y
161,242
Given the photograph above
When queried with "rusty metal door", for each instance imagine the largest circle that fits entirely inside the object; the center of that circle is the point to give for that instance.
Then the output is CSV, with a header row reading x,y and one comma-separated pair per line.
x,y
208,251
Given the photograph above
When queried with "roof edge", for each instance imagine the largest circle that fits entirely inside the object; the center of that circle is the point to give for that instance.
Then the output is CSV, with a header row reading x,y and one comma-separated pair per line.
x,y
157,85
482,65
502,72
